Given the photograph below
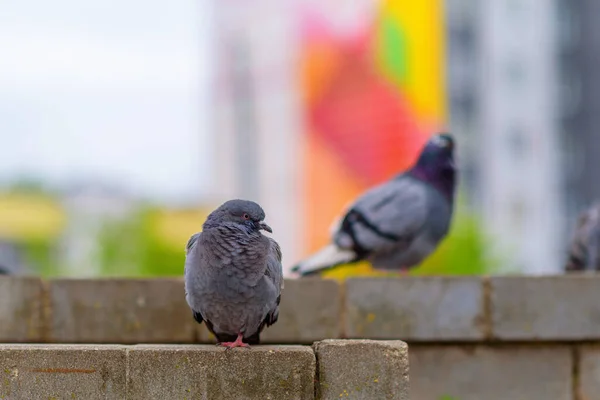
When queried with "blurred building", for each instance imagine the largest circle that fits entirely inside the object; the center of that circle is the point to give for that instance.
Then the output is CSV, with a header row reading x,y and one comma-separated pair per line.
x,y
88,207
257,115
463,57
578,59
522,83
317,100
503,102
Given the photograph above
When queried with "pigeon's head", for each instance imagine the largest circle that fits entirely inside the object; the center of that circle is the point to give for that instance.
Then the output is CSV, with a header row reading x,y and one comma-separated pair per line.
x,y
242,212
436,163
438,149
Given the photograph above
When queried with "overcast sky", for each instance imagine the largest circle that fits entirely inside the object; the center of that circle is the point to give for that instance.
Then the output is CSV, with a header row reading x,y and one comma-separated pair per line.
x,y
114,89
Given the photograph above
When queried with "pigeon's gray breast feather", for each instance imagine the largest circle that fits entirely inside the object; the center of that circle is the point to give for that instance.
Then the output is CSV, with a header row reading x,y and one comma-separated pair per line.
x,y
235,290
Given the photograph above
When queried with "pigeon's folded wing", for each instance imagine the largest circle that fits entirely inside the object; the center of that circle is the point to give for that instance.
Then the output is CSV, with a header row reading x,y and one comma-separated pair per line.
x,y
192,242
274,272
387,215
584,252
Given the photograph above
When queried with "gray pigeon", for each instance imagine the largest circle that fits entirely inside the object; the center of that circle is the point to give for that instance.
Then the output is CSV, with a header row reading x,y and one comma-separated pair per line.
x,y
397,224
233,274
584,254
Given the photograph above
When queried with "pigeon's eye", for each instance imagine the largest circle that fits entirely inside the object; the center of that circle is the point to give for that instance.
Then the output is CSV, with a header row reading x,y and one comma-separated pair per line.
x,y
246,216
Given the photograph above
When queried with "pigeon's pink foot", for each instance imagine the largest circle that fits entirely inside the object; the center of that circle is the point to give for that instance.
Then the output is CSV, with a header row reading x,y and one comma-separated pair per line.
x,y
238,343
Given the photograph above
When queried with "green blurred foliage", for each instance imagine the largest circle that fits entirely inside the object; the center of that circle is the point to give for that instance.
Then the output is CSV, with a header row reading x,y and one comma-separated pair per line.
x,y
29,185
463,252
40,253
131,247
42,256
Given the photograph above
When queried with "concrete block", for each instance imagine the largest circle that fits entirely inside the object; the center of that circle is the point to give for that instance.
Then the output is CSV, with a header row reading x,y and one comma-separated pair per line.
x,y
62,372
362,369
120,311
547,308
211,372
589,372
22,317
310,310
491,373
433,308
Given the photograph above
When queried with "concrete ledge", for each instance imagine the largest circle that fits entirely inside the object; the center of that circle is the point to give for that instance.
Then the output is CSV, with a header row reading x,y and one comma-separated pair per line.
x,y
120,311
418,310
199,372
310,310
589,372
62,372
546,308
22,312
202,371
469,372
362,369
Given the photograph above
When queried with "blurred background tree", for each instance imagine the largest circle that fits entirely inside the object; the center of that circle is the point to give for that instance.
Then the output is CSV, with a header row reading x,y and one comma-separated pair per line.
x,y
150,242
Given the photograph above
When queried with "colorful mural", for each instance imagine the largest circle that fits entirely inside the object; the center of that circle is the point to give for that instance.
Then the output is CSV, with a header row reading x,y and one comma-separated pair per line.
x,y
371,97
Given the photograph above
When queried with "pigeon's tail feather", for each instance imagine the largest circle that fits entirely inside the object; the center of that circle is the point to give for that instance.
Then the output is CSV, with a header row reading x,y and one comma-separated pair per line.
x,y
328,257
574,262
584,252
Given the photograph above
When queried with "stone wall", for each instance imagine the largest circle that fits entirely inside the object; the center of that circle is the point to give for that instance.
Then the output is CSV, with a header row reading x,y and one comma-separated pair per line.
x,y
144,372
469,337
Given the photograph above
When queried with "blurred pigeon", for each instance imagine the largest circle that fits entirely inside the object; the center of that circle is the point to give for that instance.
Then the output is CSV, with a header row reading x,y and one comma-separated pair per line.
x,y
584,253
397,224
233,274
11,258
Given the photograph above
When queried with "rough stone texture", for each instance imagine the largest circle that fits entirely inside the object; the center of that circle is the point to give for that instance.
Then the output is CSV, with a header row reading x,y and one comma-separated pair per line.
x,y
362,369
415,309
310,310
491,373
589,372
210,372
549,308
21,309
62,372
120,311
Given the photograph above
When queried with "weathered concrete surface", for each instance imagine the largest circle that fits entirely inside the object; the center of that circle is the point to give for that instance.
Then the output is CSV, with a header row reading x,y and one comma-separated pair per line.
x,y
362,369
120,311
210,372
589,372
415,308
550,308
310,310
491,373
21,309
62,372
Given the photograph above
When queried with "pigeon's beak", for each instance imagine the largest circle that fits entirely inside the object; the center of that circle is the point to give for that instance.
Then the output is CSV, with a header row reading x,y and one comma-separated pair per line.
x,y
265,227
